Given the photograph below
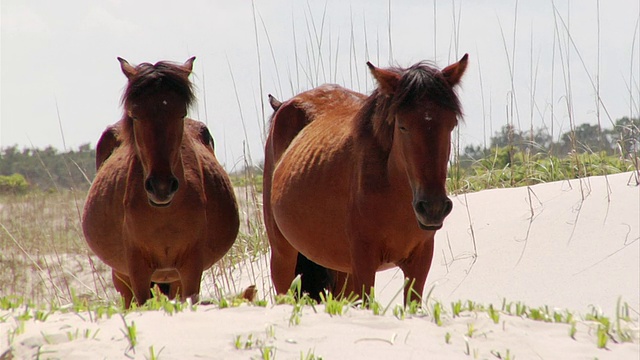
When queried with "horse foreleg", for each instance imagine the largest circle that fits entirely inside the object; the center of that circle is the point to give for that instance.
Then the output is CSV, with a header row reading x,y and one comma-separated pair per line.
x,y
364,265
123,285
415,269
343,284
139,275
190,277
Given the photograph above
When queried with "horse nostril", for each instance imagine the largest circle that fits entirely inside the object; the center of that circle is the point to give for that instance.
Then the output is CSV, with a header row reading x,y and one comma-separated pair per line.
x,y
174,184
435,209
420,207
153,186
148,185
448,206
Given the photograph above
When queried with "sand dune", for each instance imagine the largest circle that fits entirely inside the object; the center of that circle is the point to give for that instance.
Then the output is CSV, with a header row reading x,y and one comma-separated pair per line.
x,y
568,245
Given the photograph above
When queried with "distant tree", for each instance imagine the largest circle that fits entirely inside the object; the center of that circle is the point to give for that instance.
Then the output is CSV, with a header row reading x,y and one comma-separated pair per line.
x,y
48,168
585,138
625,136
508,136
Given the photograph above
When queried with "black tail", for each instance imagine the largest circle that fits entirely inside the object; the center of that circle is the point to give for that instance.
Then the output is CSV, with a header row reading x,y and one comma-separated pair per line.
x,y
315,278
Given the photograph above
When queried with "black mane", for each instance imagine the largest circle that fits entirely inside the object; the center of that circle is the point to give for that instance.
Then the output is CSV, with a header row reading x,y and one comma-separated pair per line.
x,y
418,83
161,76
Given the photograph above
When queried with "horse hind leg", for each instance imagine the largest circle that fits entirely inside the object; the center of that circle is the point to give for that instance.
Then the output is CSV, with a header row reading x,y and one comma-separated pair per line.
x,y
286,123
283,261
342,284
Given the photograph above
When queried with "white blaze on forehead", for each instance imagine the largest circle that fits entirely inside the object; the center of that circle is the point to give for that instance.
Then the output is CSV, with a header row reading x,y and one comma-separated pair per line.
x,y
428,117
164,102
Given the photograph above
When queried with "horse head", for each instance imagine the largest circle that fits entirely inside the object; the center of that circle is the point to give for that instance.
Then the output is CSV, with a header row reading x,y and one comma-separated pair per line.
x,y
155,102
422,112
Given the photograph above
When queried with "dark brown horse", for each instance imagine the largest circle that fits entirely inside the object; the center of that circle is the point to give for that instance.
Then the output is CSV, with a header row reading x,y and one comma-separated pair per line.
x,y
161,207
357,184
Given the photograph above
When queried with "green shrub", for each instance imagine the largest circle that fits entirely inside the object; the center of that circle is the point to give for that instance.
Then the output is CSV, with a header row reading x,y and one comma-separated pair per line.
x,y
13,184
509,167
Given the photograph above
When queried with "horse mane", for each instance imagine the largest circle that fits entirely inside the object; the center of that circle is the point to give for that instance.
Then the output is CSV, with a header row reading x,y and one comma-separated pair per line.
x,y
164,75
418,83
150,79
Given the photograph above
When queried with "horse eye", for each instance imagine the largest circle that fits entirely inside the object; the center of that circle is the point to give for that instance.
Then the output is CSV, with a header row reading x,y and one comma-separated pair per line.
x,y
402,128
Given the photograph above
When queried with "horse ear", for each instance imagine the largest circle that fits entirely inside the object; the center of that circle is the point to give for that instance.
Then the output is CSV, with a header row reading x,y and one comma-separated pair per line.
x,y
275,103
128,70
188,65
453,73
387,80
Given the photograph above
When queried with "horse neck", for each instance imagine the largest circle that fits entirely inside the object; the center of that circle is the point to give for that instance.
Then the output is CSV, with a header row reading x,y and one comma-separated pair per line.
x,y
380,168
397,172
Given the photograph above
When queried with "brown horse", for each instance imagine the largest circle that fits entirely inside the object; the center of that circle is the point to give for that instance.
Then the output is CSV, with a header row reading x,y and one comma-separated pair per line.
x,y
161,207
357,184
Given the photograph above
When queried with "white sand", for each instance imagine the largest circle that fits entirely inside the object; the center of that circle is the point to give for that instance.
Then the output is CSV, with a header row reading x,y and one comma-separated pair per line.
x,y
567,245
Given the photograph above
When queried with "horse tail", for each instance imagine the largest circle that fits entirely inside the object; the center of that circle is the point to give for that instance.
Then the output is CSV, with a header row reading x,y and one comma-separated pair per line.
x,y
315,278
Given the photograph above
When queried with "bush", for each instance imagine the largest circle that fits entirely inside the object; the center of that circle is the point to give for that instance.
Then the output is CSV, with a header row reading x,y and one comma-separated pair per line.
x,y
509,167
13,184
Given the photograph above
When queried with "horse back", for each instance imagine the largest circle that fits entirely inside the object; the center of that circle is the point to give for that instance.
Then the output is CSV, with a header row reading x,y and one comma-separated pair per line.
x,y
292,116
200,132
107,143
286,123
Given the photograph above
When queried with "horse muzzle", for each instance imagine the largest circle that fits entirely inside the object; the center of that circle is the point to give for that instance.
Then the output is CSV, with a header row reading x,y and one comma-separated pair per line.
x,y
432,212
160,191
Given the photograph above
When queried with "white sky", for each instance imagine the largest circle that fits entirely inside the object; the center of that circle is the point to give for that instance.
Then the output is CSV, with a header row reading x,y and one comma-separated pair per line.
x,y
60,57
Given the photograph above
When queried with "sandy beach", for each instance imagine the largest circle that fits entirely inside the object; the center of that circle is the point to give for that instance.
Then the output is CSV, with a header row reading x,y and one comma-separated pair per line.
x,y
569,246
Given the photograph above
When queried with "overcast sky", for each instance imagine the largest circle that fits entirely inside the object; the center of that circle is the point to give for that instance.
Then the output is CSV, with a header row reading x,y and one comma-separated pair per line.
x,y
61,82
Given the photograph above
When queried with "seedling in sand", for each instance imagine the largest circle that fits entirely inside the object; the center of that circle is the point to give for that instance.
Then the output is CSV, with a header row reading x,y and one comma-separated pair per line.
x,y
506,356
494,314
241,344
152,353
268,352
130,333
86,334
447,338
437,313
573,330
456,308
336,306
470,330
309,356
296,298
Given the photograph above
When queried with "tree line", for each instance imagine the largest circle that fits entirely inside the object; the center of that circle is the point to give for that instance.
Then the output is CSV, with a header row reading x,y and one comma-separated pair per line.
x,y
622,139
49,169
46,169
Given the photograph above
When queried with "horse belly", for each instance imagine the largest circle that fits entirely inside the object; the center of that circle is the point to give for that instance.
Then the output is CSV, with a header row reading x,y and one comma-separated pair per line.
x,y
165,276
103,214
310,195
